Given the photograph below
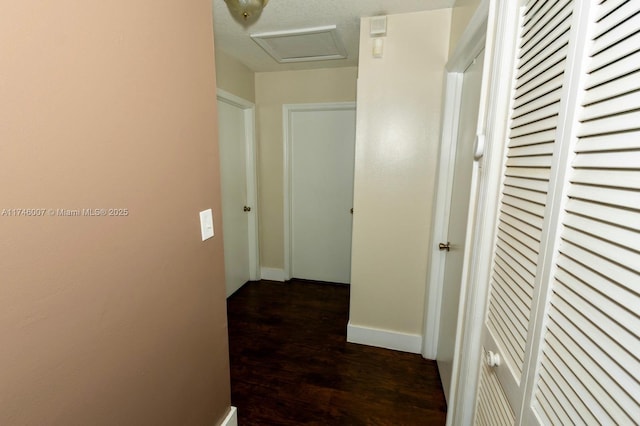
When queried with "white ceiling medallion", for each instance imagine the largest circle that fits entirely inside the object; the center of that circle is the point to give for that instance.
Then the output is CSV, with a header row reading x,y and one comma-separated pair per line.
x,y
309,44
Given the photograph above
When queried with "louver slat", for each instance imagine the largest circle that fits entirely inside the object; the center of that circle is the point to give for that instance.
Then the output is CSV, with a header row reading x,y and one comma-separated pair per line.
x,y
556,401
606,74
617,141
538,77
535,11
612,18
536,197
537,115
607,7
605,195
615,53
546,42
611,36
612,89
592,339
529,150
543,94
617,105
535,104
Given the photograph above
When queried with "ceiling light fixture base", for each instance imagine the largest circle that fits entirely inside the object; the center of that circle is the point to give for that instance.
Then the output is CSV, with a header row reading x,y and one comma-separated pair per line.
x,y
246,11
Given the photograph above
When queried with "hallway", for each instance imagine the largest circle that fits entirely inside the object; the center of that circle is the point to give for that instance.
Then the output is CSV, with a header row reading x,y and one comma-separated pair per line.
x,y
291,364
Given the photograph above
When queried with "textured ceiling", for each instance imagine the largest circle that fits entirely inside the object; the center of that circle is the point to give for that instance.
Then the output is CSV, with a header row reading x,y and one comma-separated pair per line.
x,y
279,15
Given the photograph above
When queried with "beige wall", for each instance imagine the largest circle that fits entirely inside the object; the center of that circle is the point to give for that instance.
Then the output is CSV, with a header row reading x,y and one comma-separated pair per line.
x,y
273,90
462,13
398,131
234,77
110,320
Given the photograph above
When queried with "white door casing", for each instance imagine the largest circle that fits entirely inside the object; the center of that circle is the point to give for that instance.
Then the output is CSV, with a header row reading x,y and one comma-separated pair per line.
x,y
238,184
319,163
458,216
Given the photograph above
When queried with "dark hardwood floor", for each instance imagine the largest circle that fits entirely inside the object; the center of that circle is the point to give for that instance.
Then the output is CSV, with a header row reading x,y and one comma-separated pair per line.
x,y
291,364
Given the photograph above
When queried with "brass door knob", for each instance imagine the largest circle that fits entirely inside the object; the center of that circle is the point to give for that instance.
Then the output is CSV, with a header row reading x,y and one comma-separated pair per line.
x,y
443,246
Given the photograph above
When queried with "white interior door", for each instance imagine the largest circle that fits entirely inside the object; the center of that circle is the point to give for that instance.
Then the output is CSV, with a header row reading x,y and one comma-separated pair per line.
x,y
322,151
459,209
233,177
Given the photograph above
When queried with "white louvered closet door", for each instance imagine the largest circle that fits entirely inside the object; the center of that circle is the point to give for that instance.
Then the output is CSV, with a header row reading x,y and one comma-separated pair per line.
x,y
564,303
538,86
588,371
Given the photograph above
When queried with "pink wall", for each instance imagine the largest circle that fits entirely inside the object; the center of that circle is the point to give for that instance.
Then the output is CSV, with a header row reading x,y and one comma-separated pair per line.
x,y
110,320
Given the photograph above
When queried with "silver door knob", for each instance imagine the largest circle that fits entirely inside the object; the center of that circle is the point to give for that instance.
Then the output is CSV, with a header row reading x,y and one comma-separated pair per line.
x,y
443,246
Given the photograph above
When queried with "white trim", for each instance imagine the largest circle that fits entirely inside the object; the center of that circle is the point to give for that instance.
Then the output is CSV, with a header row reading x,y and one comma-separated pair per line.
x,y
234,100
384,338
287,110
249,110
472,41
471,44
272,274
499,54
232,418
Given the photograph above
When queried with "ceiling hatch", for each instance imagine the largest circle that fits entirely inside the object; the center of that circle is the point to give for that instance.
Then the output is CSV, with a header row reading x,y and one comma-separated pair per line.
x,y
309,44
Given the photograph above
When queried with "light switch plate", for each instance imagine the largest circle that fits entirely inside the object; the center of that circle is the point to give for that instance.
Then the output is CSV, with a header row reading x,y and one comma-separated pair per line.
x,y
206,224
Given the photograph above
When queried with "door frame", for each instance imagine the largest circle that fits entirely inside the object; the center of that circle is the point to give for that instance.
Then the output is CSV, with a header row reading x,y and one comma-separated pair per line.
x,y
287,111
249,110
470,45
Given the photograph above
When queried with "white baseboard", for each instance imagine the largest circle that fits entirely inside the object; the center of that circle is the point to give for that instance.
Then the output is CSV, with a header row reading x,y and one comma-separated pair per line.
x,y
231,419
384,338
272,274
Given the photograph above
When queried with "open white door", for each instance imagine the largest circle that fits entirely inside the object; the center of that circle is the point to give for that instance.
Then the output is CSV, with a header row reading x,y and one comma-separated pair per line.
x,y
238,190
458,214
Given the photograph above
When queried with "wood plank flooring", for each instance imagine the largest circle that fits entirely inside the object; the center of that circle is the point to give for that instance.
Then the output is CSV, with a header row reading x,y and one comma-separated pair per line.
x,y
291,364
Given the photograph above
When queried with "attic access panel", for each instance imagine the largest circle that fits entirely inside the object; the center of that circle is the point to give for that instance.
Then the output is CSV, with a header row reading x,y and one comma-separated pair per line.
x,y
309,44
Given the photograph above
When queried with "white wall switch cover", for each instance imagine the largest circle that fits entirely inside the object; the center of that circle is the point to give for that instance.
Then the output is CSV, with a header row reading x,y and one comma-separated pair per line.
x,y
206,224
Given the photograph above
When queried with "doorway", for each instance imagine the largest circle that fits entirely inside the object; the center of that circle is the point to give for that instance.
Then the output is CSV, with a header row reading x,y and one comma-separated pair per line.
x,y
442,298
238,182
319,164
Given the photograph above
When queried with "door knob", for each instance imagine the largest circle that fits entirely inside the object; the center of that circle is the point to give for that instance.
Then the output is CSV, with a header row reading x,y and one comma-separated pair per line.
x,y
493,359
443,246
247,209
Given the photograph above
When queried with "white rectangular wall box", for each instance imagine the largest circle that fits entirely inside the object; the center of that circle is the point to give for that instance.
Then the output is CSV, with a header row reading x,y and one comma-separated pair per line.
x,y
206,224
